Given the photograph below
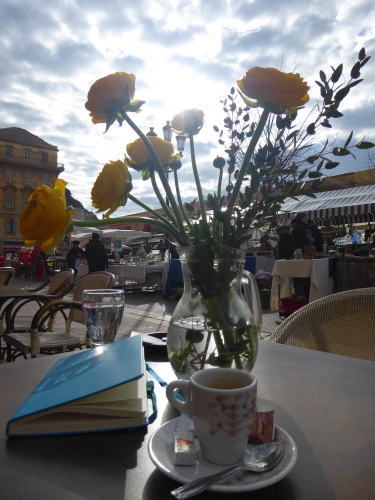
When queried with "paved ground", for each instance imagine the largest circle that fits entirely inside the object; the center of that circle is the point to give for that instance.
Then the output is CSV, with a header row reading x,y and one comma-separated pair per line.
x,y
147,312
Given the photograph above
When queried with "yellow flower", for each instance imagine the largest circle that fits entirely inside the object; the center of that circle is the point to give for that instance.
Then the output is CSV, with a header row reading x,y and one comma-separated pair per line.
x,y
283,90
111,187
188,122
140,158
108,92
44,220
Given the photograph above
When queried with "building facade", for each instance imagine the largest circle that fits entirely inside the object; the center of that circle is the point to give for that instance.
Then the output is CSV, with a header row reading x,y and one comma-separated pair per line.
x,y
26,162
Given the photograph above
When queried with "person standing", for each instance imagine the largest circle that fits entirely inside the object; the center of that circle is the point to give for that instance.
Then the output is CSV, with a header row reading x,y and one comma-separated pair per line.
x,y
96,255
301,232
74,257
317,235
141,252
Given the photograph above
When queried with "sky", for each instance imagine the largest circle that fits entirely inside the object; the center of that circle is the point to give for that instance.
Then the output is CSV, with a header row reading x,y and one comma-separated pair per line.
x,y
185,54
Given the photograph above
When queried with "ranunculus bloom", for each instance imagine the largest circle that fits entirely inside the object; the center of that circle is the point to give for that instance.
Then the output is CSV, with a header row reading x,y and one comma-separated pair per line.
x,y
283,90
140,158
111,187
189,121
44,220
107,92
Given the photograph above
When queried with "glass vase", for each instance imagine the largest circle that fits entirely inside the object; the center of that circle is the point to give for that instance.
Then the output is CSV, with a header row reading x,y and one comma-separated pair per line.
x,y
219,316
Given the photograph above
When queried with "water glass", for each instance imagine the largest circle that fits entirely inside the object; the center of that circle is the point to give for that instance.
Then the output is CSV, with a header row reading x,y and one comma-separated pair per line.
x,y
103,311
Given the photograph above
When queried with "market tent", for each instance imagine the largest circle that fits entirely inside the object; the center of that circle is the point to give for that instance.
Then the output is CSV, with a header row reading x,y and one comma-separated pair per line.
x,y
125,233
356,204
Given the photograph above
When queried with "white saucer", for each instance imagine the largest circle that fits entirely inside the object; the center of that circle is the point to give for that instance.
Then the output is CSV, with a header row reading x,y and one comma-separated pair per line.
x,y
160,449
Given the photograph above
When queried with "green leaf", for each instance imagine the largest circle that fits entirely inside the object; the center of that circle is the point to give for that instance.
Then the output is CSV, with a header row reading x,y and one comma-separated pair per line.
x,y
353,84
134,105
331,164
312,159
292,135
365,61
341,152
362,54
311,129
335,114
364,145
314,174
189,207
216,128
336,74
275,209
348,139
307,193
355,72
194,336
325,123
342,93
302,174
322,76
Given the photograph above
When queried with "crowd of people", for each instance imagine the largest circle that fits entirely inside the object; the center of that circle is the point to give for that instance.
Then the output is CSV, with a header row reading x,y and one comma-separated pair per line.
x,y
303,233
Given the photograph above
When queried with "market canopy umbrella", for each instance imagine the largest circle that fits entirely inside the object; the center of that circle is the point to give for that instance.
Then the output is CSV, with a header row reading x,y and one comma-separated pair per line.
x,y
355,204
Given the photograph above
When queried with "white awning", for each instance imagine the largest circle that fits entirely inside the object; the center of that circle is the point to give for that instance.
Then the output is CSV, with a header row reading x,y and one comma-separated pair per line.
x,y
355,204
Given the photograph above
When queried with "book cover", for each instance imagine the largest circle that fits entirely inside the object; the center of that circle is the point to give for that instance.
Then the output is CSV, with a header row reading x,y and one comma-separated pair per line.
x,y
95,390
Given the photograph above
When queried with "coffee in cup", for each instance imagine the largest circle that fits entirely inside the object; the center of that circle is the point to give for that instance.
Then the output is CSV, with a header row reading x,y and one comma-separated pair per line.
x,y
221,402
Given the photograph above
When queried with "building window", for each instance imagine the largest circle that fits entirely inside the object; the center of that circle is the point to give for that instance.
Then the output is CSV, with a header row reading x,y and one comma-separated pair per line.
x,y
9,150
27,153
25,200
9,175
44,157
27,177
45,179
11,226
8,201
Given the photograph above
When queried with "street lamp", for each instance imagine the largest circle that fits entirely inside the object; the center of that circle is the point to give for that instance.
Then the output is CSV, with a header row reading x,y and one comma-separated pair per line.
x,y
181,139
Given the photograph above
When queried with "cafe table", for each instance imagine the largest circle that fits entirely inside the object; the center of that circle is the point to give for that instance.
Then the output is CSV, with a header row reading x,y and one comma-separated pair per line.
x,y
321,283
326,402
149,274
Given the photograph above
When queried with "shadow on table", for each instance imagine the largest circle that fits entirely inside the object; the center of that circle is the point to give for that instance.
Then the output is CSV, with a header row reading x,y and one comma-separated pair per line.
x,y
85,464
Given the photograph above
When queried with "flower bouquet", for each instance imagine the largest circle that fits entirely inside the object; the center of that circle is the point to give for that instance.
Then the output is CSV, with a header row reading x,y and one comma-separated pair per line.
x,y
269,158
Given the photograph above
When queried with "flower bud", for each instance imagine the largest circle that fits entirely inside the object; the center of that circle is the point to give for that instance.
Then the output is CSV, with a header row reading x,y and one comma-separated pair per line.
x,y
219,162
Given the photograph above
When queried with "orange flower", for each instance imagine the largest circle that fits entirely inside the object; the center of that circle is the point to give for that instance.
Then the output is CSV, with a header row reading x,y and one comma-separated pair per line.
x,y
111,187
283,90
45,219
106,92
189,121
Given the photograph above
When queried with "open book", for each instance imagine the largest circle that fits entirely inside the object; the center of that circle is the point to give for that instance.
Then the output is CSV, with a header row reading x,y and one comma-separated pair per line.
x,y
95,390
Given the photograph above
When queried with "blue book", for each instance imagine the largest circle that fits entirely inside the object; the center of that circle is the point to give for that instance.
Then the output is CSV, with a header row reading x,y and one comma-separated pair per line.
x,y
98,389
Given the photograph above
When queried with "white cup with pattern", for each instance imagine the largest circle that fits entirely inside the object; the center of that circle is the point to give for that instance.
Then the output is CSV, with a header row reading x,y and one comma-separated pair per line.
x,y
221,402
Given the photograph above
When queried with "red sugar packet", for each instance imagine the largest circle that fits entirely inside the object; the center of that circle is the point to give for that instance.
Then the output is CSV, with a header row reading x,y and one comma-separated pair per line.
x,y
263,428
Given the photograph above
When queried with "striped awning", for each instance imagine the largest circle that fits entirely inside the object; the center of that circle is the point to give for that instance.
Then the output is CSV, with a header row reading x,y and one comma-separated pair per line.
x,y
349,205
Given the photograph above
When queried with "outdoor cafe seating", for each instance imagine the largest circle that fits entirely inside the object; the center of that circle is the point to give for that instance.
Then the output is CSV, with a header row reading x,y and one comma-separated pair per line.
x,y
31,342
342,323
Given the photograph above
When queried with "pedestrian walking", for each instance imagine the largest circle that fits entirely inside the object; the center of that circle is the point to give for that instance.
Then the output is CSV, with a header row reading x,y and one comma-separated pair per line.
x,y
75,257
95,254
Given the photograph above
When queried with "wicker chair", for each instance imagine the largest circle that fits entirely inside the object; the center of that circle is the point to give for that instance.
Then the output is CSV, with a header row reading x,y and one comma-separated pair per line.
x,y
342,323
59,285
6,274
38,340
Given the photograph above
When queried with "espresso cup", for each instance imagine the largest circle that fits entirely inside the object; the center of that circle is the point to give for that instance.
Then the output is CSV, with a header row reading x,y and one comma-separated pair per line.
x,y
221,402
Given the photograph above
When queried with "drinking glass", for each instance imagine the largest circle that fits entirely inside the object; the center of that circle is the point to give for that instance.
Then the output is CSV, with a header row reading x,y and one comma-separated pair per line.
x,y
103,311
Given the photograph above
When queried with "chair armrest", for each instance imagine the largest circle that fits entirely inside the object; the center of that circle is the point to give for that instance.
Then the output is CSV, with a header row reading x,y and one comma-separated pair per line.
x,y
40,287
51,308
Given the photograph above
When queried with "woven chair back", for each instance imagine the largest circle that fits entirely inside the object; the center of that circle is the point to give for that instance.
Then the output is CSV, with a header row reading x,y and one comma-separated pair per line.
x,y
60,281
342,323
